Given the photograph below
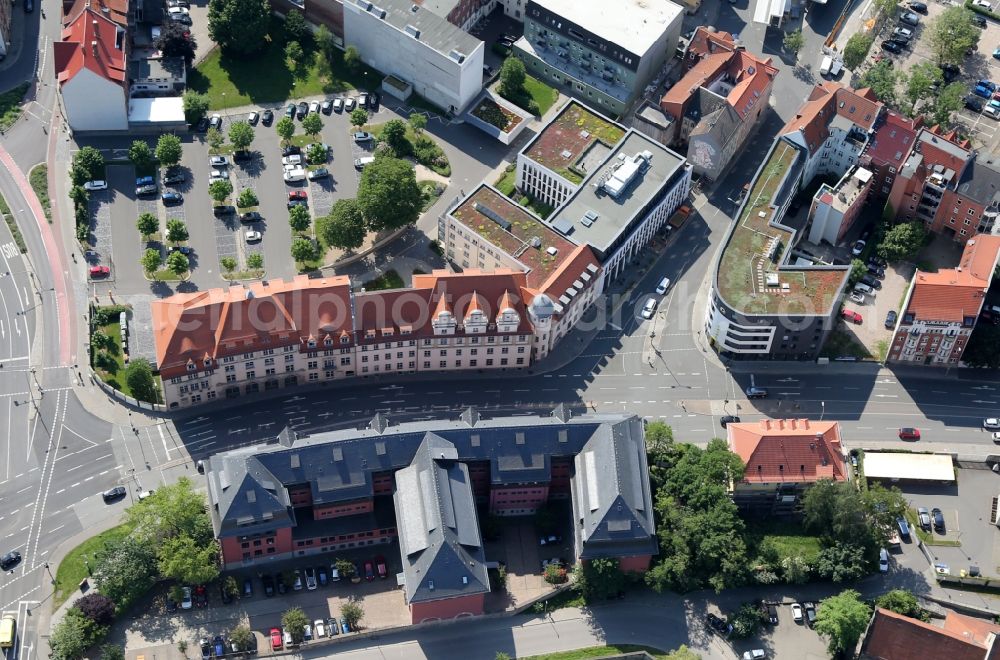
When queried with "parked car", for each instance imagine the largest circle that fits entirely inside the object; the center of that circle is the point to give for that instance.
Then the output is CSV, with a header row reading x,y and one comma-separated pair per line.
x,y
297,580
253,118
223,210
206,648
996,437
857,297
254,236
858,248
314,107
174,176
200,596
938,519
381,567
349,104
872,281
876,271
318,173
373,101
718,624
297,195
95,185
904,529
344,626
326,107
293,159
909,433
902,33
218,161
924,518
100,271
334,573
991,424
321,575
267,117
171,197
978,21
202,125
892,47
170,605
268,583
890,319
183,249
972,103
275,637
918,7
279,582
662,287
755,654
218,175
950,72
295,175
369,570
851,316
909,18
290,150
224,593
311,583
363,100
338,105
363,136
187,602
319,628
247,587
756,393
883,560
649,308
146,189
726,420
307,632
302,110
215,122
772,613
113,494
332,627
219,646
251,216
290,110
810,610
550,539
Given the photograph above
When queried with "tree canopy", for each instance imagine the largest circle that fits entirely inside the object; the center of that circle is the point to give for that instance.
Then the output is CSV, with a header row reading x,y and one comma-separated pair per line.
x,y
882,79
189,562
139,376
178,263
239,26
512,77
241,135
147,224
842,619
294,621
173,510
295,26
983,349
151,260
903,241
195,106
220,190
303,249
388,194
952,33
902,602
89,162
793,41
176,40
947,101
359,117
394,135
298,218
177,231
124,570
857,49
285,128
924,80
140,154
345,227
168,149
312,124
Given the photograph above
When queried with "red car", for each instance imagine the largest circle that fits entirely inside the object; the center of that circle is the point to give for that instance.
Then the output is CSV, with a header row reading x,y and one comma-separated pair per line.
x,y
383,572
369,571
851,315
99,271
908,433
275,636
297,194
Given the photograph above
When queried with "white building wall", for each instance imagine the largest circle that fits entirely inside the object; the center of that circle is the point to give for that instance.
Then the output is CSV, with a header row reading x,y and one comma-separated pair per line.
x,y
541,183
731,336
93,103
826,222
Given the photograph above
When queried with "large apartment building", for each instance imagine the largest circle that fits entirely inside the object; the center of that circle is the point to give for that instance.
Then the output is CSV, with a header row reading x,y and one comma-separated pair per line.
x,y
426,484
603,53
941,308
769,301
716,106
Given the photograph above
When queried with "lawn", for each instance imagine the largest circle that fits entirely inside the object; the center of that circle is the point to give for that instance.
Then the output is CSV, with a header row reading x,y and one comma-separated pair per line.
x,y
232,81
39,178
423,149
388,280
612,650
541,93
116,378
72,570
789,540
10,105
505,184
430,193
840,343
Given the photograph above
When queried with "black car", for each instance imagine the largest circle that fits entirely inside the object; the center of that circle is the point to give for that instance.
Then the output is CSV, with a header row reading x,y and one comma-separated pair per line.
x,y
251,216
242,155
206,649
876,260
979,21
918,7
892,46
183,249
871,281
772,613
171,605
938,518
219,211
10,560
29,6
373,100
115,493
298,202
279,582
247,587
810,610
890,319
719,625
728,419
302,110
290,150
171,198
902,42
174,176
973,103
268,585
876,271
267,117
202,125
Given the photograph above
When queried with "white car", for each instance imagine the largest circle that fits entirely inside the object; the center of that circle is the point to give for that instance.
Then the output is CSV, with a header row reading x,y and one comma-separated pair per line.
x,y
649,308
293,175
294,159
883,560
858,297
218,161
319,628
756,654
186,601
216,175
307,632
334,573
96,185
983,3
311,579
996,437
662,287
991,424
254,236
858,248
338,105
253,118
314,107
797,612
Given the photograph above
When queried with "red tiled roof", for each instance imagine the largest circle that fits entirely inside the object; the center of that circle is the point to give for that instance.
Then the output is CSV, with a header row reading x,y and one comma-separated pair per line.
x,y
893,140
91,41
783,450
488,291
893,636
977,631
570,271
751,76
706,68
116,10
704,42
956,293
826,100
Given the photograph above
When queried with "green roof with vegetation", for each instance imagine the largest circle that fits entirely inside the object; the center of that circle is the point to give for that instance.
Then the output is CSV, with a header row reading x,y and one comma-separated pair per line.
x,y
745,263
567,137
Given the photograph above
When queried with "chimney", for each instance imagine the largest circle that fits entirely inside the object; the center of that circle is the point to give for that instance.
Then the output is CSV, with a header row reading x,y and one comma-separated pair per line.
x,y
93,45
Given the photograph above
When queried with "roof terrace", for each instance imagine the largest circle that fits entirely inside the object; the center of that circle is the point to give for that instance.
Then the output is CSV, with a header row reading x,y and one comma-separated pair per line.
x,y
565,141
751,278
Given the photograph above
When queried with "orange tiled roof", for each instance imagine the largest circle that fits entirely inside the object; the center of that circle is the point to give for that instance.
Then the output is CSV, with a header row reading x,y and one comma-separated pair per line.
x,y
751,76
956,293
799,450
977,631
893,636
704,42
116,10
827,100
91,41
707,68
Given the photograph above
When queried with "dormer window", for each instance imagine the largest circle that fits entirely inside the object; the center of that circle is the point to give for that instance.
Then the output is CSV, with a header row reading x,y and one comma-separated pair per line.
x,y
311,343
208,362
191,366
344,339
328,342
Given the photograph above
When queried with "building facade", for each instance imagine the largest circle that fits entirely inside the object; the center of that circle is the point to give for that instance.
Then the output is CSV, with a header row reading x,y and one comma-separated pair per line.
x,y
425,484
605,54
835,208
941,309
443,63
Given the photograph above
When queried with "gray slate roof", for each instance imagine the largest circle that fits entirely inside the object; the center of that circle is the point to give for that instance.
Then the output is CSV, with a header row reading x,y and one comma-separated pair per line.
x,y
434,28
438,530
981,180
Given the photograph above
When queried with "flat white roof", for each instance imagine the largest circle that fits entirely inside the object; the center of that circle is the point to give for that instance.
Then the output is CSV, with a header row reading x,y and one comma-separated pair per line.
x,y
158,110
632,24
890,465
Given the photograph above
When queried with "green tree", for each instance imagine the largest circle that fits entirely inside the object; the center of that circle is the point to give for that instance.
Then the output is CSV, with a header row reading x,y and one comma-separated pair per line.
x,y
241,135
294,621
842,619
195,106
983,349
239,26
177,231
294,53
168,149
795,569
176,40
139,376
124,570
231,586
247,198
181,559
857,49
317,154
312,124
883,507
298,218
151,260
73,635
344,228
147,224
882,79
500,655
512,77
352,58
353,612
924,79
554,574
255,261
303,249
112,652
418,122
388,194
659,452
345,567
220,190
952,33
793,41
215,138
902,602
599,579
173,510
140,154
228,264
285,128
903,241
842,562
394,134
747,620
178,263
242,637
947,101
295,26
858,270
89,162
324,40
359,117
97,607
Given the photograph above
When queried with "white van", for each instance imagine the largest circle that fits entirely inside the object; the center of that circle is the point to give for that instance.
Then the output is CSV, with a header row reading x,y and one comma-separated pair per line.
x,y
835,69
824,68
863,288
662,287
360,163
297,174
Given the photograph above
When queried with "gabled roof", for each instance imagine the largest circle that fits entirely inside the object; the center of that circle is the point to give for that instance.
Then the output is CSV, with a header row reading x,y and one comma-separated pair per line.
x,y
115,10
438,529
893,636
246,496
827,101
955,294
91,41
893,140
788,450
709,40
